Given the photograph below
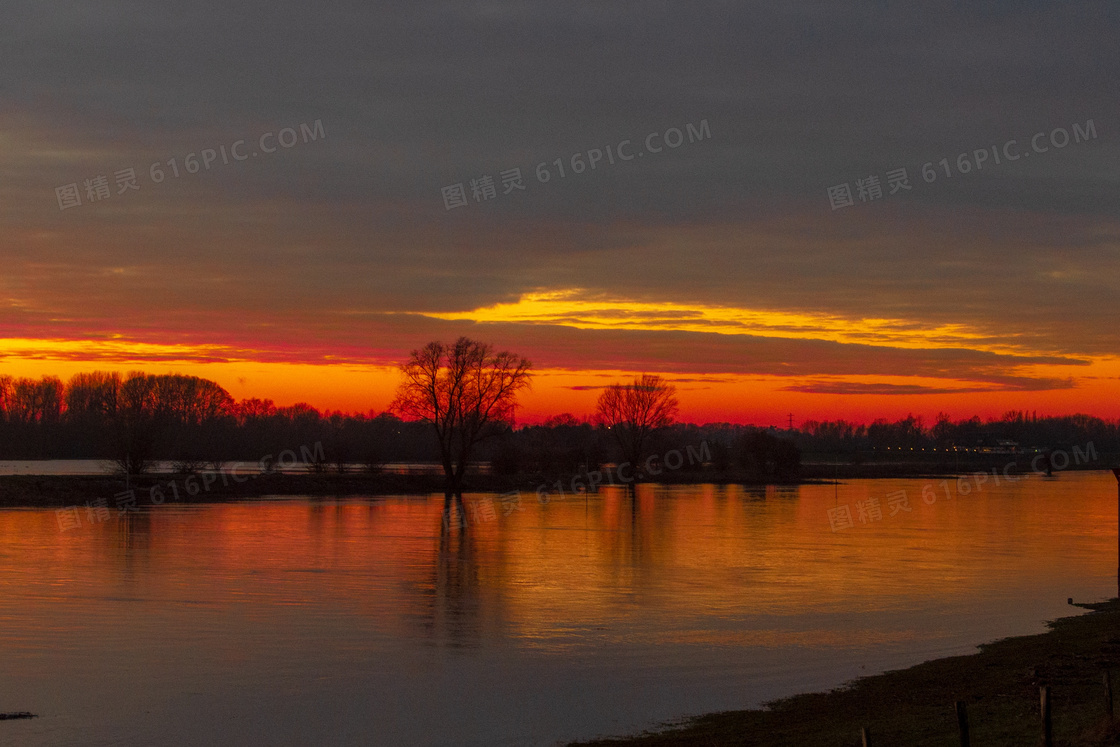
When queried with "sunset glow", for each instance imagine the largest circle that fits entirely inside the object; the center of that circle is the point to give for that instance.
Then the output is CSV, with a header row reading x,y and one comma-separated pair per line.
x,y
572,308
307,269
438,373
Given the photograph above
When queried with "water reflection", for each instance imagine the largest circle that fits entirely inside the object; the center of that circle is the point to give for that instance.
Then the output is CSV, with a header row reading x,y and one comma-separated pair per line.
x,y
132,534
624,607
452,603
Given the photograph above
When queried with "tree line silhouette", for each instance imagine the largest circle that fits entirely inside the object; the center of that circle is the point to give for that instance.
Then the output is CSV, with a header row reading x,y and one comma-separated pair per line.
x,y
1014,431
137,418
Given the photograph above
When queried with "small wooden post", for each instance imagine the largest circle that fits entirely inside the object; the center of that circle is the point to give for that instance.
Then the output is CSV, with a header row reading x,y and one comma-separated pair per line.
x,y
1107,678
1047,730
865,735
1116,474
962,723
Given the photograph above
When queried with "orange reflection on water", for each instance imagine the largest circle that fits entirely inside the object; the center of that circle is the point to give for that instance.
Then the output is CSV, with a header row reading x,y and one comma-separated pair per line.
x,y
574,562
734,590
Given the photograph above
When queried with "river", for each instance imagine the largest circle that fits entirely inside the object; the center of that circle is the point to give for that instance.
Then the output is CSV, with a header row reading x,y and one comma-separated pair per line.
x,y
292,620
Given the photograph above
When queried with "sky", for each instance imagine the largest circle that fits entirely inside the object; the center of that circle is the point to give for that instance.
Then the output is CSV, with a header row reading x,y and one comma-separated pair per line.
x,y
814,210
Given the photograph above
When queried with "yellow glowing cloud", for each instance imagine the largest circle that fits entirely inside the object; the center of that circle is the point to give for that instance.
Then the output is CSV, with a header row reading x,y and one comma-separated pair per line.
x,y
576,308
113,349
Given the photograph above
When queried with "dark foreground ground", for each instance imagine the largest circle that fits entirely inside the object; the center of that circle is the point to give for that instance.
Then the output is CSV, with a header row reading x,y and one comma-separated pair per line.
x,y
999,686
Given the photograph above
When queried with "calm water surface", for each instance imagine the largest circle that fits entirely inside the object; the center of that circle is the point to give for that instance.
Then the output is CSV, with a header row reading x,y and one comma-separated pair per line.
x,y
365,621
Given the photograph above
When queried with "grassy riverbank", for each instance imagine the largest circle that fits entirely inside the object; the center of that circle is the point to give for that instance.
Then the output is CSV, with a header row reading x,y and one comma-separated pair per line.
x,y
1000,687
42,491
67,490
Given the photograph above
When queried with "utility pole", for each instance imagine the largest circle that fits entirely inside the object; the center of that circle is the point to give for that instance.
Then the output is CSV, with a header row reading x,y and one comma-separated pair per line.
x,y
791,423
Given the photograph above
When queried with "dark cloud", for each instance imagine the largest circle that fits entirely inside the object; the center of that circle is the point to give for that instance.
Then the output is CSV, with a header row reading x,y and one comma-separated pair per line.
x,y
798,97
883,388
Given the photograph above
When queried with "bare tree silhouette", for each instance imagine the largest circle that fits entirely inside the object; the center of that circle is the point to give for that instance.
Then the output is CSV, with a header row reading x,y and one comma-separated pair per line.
x,y
635,411
467,392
